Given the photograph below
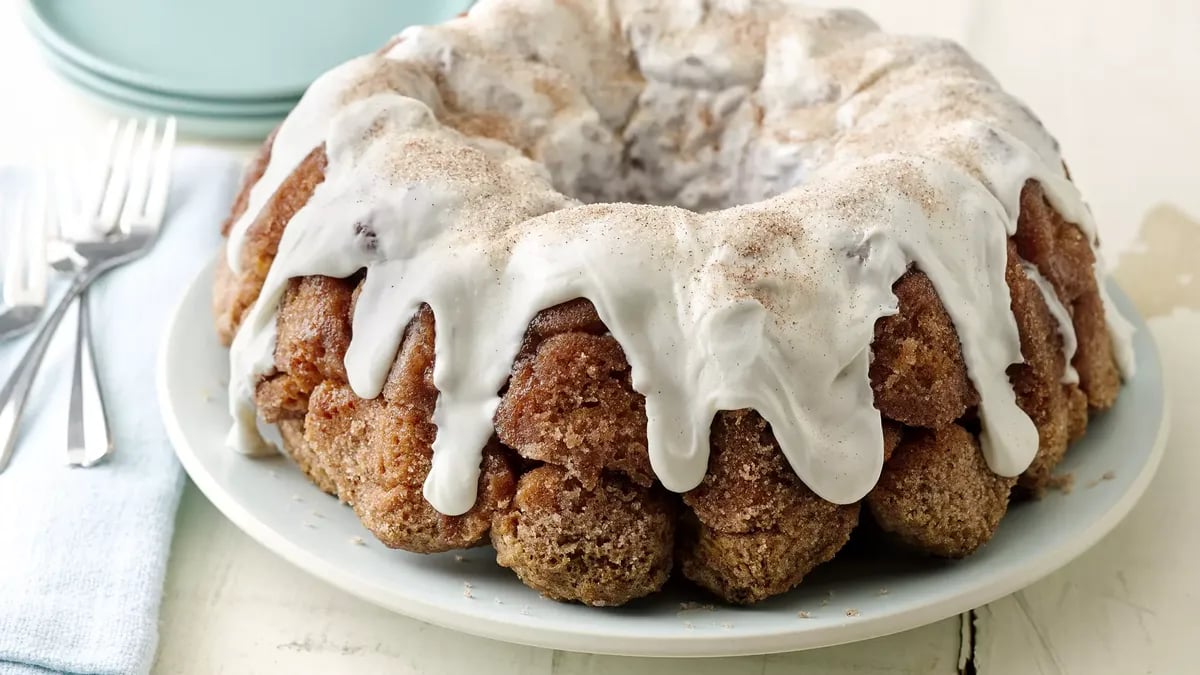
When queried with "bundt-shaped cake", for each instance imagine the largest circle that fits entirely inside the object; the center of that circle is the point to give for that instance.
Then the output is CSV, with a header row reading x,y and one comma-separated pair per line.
x,y
628,288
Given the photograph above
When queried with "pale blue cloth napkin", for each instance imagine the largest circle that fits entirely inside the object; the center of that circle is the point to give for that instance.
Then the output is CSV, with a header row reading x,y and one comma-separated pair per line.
x,y
83,552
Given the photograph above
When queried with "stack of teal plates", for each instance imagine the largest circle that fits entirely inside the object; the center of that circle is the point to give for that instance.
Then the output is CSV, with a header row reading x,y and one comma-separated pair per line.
x,y
225,68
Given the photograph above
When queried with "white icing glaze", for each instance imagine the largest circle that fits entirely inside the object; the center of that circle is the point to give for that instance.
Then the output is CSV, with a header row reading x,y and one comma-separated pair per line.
x,y
1066,329
830,157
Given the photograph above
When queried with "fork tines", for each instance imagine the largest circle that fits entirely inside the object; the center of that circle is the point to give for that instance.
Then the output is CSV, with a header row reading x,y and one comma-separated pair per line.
x,y
27,222
135,175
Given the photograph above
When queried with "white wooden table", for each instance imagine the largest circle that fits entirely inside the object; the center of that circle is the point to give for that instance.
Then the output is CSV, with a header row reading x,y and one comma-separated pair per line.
x,y
1119,84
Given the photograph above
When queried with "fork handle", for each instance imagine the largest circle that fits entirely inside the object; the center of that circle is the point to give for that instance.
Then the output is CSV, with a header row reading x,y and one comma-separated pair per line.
x,y
15,393
89,439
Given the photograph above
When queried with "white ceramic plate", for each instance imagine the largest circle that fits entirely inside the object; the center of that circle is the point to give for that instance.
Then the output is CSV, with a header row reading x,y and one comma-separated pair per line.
x,y
857,596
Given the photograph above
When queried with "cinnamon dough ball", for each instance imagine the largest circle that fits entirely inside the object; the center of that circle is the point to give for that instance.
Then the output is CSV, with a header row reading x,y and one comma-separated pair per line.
x,y
917,369
1037,383
938,495
1063,255
378,453
601,546
756,530
570,401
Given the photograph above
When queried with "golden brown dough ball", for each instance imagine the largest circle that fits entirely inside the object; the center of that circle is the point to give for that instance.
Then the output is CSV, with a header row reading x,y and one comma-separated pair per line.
x,y
602,546
744,568
570,402
1037,383
1063,255
917,369
379,452
312,335
937,493
311,463
757,530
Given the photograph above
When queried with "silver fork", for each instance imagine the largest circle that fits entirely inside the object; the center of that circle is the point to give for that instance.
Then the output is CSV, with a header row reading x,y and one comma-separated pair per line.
x,y
89,438
26,268
135,179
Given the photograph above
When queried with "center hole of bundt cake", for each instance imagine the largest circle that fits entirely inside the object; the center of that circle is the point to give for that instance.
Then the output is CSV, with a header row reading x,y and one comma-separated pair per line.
x,y
699,155
665,144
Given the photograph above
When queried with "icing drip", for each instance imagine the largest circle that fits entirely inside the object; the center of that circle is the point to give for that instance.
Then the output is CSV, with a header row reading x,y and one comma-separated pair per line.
x,y
1066,330
829,158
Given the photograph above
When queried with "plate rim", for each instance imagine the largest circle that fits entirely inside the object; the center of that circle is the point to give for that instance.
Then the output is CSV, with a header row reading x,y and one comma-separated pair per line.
x,y
699,645
248,128
235,129
82,76
44,30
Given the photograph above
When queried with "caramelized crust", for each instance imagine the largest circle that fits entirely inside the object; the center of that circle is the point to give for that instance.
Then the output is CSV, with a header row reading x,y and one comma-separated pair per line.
x,y
1064,256
379,451
601,546
757,529
938,495
570,402
313,333
312,463
576,316
1037,383
744,568
917,369
314,330
750,486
